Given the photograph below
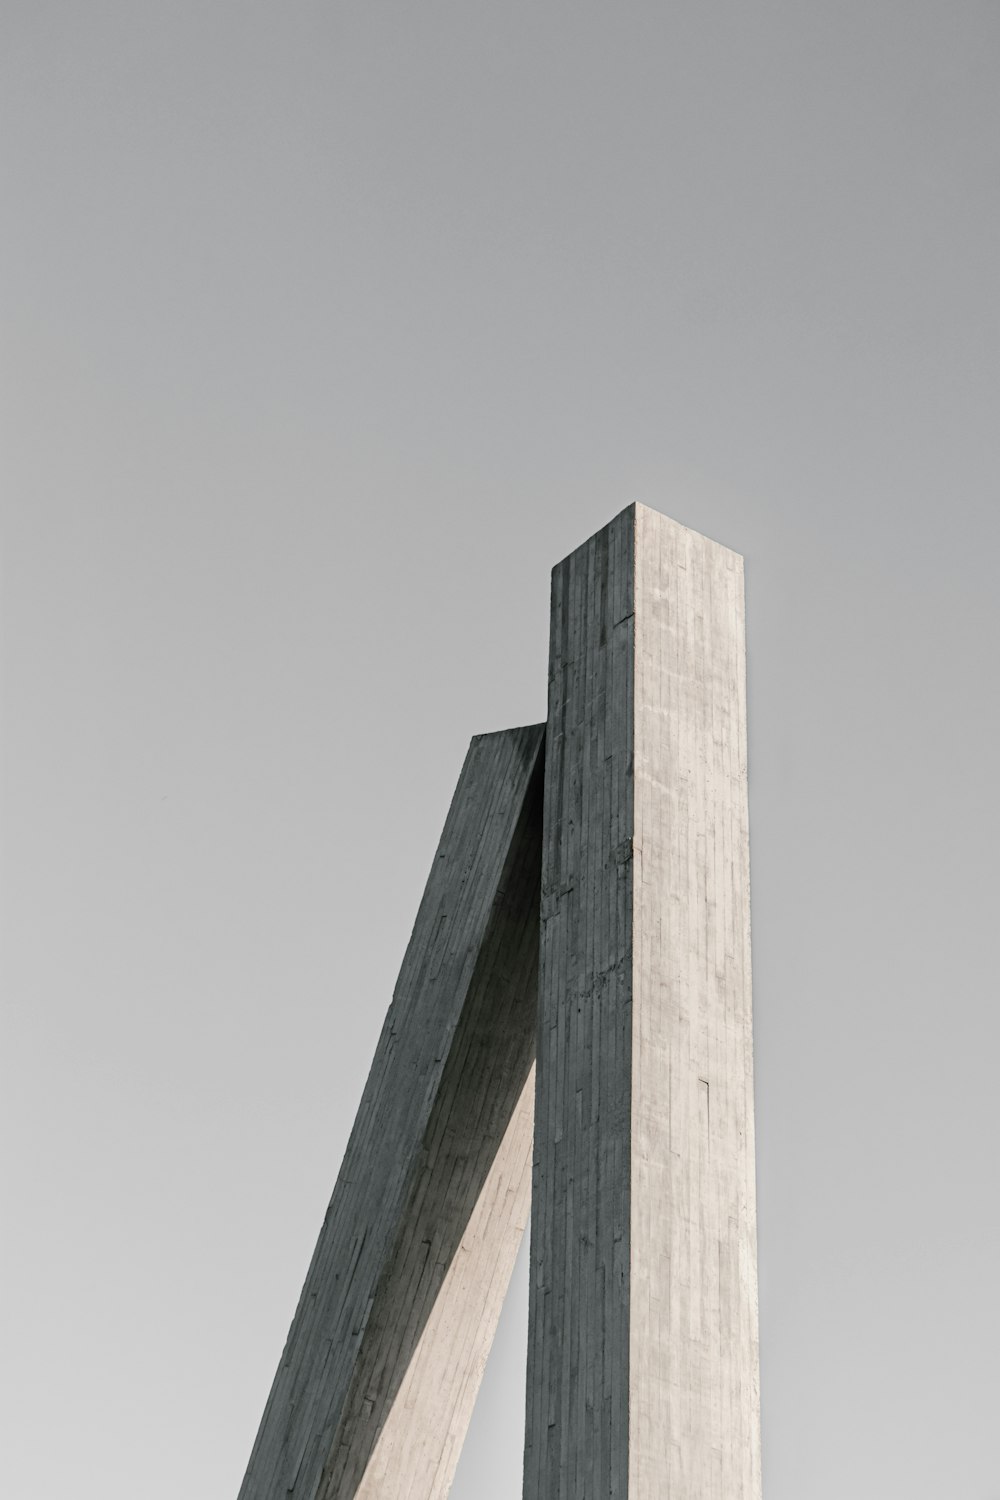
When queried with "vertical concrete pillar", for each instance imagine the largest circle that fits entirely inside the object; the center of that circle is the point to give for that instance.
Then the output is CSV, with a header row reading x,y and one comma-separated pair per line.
x,y
375,1389
642,1359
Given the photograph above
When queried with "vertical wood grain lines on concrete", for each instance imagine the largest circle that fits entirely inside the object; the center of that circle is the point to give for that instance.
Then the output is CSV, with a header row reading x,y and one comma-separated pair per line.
x,y
576,1442
386,1351
642,1362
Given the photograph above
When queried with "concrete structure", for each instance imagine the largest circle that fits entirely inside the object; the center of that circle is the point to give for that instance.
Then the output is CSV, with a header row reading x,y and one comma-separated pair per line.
x,y
642,1358
642,1361
384,1357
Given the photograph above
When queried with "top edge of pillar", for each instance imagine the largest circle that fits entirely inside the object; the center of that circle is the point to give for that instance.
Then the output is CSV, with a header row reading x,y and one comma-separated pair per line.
x,y
636,513
527,731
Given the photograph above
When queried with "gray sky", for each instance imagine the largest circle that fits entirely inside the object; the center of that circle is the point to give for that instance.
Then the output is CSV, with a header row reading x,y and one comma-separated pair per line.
x,y
327,330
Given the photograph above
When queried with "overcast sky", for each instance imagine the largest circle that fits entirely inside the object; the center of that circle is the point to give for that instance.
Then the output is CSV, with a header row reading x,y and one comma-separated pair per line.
x,y
327,330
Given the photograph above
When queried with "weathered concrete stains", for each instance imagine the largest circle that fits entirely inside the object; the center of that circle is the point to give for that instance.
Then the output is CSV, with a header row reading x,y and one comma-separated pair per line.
x,y
384,1357
642,1362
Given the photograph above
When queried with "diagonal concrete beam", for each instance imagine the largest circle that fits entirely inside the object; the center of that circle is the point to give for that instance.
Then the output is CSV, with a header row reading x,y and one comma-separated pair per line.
x,y
642,1357
384,1357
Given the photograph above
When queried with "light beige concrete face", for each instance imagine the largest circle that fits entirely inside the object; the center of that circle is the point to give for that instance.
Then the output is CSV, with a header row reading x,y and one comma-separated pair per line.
x,y
417,1444
694,1404
385,1354
642,1361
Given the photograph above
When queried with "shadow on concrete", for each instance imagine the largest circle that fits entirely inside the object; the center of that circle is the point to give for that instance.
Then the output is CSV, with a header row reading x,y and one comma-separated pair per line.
x,y
492,1051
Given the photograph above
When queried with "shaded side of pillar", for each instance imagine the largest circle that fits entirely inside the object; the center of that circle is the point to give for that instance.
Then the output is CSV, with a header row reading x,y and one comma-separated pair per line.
x,y
642,1360
578,1337
397,1315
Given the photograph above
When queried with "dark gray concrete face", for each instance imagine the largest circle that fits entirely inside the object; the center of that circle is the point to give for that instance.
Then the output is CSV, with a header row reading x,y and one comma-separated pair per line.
x,y
384,1357
642,1354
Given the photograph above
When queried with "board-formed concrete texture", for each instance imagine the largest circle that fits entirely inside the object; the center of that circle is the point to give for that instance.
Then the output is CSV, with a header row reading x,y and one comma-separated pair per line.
x,y
387,1348
642,1359
612,929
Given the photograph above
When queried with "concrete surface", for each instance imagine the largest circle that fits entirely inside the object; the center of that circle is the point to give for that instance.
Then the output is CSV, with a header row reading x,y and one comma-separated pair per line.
x,y
384,1357
642,1358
